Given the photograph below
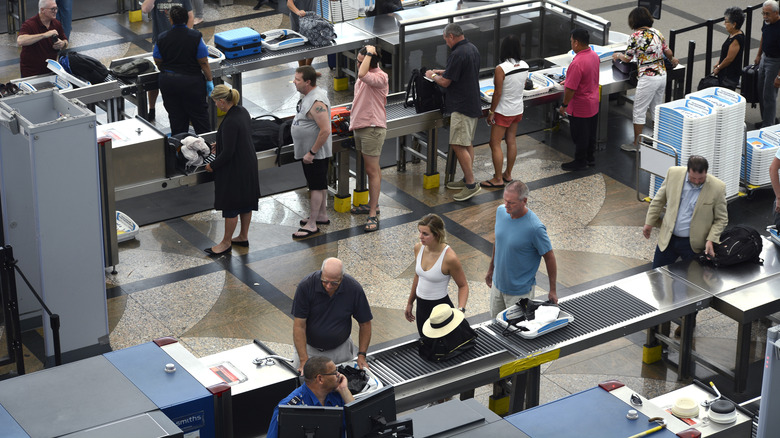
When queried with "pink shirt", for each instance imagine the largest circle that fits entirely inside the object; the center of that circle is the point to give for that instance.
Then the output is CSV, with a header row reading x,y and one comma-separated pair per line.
x,y
368,108
582,76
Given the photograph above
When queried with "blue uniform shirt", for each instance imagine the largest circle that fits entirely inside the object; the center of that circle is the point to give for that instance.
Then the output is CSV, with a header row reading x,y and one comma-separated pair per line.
x,y
302,396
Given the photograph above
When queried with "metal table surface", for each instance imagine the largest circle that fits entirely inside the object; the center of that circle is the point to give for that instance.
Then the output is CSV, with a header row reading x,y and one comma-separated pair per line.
x,y
744,293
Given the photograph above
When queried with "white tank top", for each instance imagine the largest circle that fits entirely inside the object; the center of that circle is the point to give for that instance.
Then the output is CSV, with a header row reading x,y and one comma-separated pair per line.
x,y
515,74
431,284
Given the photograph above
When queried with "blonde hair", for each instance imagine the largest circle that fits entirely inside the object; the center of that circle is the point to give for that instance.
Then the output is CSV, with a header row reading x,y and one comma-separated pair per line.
x,y
222,91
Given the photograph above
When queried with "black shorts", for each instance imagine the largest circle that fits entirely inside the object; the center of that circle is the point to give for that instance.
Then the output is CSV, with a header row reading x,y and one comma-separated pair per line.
x,y
316,174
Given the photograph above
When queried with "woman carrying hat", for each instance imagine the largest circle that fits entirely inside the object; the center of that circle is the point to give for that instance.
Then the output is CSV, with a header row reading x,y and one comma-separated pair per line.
x,y
435,264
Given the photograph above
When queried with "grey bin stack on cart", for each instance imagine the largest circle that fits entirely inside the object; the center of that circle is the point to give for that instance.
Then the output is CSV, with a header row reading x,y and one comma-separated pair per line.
x,y
51,215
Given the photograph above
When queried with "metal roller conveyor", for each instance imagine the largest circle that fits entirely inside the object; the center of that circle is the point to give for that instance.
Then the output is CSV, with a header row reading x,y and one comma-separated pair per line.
x,y
600,315
591,315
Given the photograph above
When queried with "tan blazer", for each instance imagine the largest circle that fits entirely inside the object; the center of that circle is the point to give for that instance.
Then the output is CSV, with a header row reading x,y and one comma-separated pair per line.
x,y
710,216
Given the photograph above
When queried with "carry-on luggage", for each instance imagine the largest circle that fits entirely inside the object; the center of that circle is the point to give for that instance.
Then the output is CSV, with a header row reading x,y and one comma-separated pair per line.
x,y
751,90
239,42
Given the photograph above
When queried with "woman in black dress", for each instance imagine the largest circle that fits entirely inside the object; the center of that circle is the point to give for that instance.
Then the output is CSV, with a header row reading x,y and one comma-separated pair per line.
x,y
236,185
729,67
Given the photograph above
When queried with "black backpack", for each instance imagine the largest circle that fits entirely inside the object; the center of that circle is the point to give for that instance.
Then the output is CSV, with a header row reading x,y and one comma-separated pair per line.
x,y
131,70
737,245
84,67
271,132
462,339
423,94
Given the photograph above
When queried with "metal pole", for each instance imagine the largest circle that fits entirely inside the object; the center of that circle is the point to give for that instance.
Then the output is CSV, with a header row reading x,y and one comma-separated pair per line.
x,y
8,285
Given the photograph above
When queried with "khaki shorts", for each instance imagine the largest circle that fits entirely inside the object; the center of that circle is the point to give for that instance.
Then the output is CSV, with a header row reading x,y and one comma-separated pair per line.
x,y
462,129
369,140
500,301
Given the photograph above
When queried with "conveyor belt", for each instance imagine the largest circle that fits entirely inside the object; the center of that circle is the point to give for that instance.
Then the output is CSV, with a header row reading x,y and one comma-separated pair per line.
x,y
404,363
592,312
228,63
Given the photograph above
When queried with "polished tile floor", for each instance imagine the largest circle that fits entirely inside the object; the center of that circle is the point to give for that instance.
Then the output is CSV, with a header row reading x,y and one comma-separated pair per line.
x,y
167,286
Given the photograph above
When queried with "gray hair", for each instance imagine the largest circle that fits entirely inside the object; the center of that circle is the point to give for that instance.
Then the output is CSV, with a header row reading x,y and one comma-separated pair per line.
x,y
453,29
322,268
773,4
517,187
42,3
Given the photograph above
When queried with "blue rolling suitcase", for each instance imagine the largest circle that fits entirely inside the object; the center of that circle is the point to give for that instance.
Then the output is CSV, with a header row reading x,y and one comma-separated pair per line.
x,y
239,42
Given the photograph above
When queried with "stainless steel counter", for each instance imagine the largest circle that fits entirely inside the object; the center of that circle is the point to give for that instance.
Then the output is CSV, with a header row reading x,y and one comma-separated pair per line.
x,y
744,292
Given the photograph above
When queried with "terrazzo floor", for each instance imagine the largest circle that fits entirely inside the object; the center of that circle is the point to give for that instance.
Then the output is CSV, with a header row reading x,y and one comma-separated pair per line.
x,y
167,286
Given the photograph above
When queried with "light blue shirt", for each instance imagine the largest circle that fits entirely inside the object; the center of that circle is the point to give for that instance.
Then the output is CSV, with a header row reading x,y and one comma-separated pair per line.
x,y
520,245
688,198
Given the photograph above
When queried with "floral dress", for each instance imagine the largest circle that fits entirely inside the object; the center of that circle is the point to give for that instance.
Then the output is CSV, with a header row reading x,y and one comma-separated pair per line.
x,y
647,47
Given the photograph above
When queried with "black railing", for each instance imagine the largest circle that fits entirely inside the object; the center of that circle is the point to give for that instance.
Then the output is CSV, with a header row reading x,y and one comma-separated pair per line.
x,y
747,28
9,299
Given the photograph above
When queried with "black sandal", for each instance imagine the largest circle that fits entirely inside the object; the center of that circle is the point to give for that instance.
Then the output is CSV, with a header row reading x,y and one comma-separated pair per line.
x,y
372,224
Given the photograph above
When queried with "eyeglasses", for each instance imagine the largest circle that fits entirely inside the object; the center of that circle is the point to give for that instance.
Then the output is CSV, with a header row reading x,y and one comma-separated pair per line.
x,y
330,374
330,283
52,9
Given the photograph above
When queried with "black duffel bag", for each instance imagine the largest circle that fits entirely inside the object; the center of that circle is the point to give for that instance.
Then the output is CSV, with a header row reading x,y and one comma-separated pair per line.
x,y
271,132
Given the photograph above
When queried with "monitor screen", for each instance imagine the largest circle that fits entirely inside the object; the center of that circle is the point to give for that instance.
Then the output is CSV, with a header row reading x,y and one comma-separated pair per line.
x,y
310,421
654,6
369,413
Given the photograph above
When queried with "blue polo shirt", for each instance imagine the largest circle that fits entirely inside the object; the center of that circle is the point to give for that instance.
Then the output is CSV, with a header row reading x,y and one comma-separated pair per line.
x,y
303,396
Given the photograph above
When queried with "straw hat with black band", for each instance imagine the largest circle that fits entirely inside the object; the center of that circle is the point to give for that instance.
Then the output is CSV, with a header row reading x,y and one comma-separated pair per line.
x,y
443,320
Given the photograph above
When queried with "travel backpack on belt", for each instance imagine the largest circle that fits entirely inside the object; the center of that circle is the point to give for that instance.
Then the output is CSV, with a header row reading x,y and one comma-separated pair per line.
x,y
84,67
318,30
271,132
737,244
458,341
130,70
423,94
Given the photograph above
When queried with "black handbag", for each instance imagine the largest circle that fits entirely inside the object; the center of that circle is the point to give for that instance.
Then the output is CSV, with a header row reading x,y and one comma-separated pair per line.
x,y
708,82
629,70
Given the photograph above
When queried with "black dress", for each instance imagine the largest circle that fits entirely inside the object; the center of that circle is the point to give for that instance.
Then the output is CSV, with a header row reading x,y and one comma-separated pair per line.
x,y
729,76
236,184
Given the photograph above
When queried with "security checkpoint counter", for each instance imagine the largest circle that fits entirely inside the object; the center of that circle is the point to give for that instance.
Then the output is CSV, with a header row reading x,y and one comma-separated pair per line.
x,y
612,81
745,293
601,314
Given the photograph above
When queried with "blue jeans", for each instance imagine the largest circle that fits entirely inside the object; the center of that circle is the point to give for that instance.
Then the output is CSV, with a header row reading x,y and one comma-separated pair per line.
x,y
65,15
767,71
678,247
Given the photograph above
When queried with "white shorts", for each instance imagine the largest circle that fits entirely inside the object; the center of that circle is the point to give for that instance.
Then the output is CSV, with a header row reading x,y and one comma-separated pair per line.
x,y
649,93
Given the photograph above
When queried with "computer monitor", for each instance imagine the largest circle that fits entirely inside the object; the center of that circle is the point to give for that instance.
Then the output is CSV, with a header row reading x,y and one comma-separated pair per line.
x,y
654,6
375,415
310,421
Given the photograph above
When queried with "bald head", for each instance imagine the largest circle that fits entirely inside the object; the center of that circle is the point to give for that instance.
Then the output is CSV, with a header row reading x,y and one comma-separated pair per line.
x,y
333,267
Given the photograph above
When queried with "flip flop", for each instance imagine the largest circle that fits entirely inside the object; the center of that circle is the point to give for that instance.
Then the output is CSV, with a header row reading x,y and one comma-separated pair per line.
x,y
507,181
372,224
362,209
327,222
307,233
490,185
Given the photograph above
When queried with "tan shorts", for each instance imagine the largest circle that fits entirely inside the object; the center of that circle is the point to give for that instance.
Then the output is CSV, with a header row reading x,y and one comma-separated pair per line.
x,y
369,140
500,301
462,129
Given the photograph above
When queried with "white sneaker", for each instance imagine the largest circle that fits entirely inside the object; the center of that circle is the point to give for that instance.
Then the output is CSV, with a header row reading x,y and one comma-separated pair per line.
x,y
629,147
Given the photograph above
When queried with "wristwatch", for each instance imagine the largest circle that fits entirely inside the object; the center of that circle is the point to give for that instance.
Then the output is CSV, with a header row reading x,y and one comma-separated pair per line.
x,y
362,352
